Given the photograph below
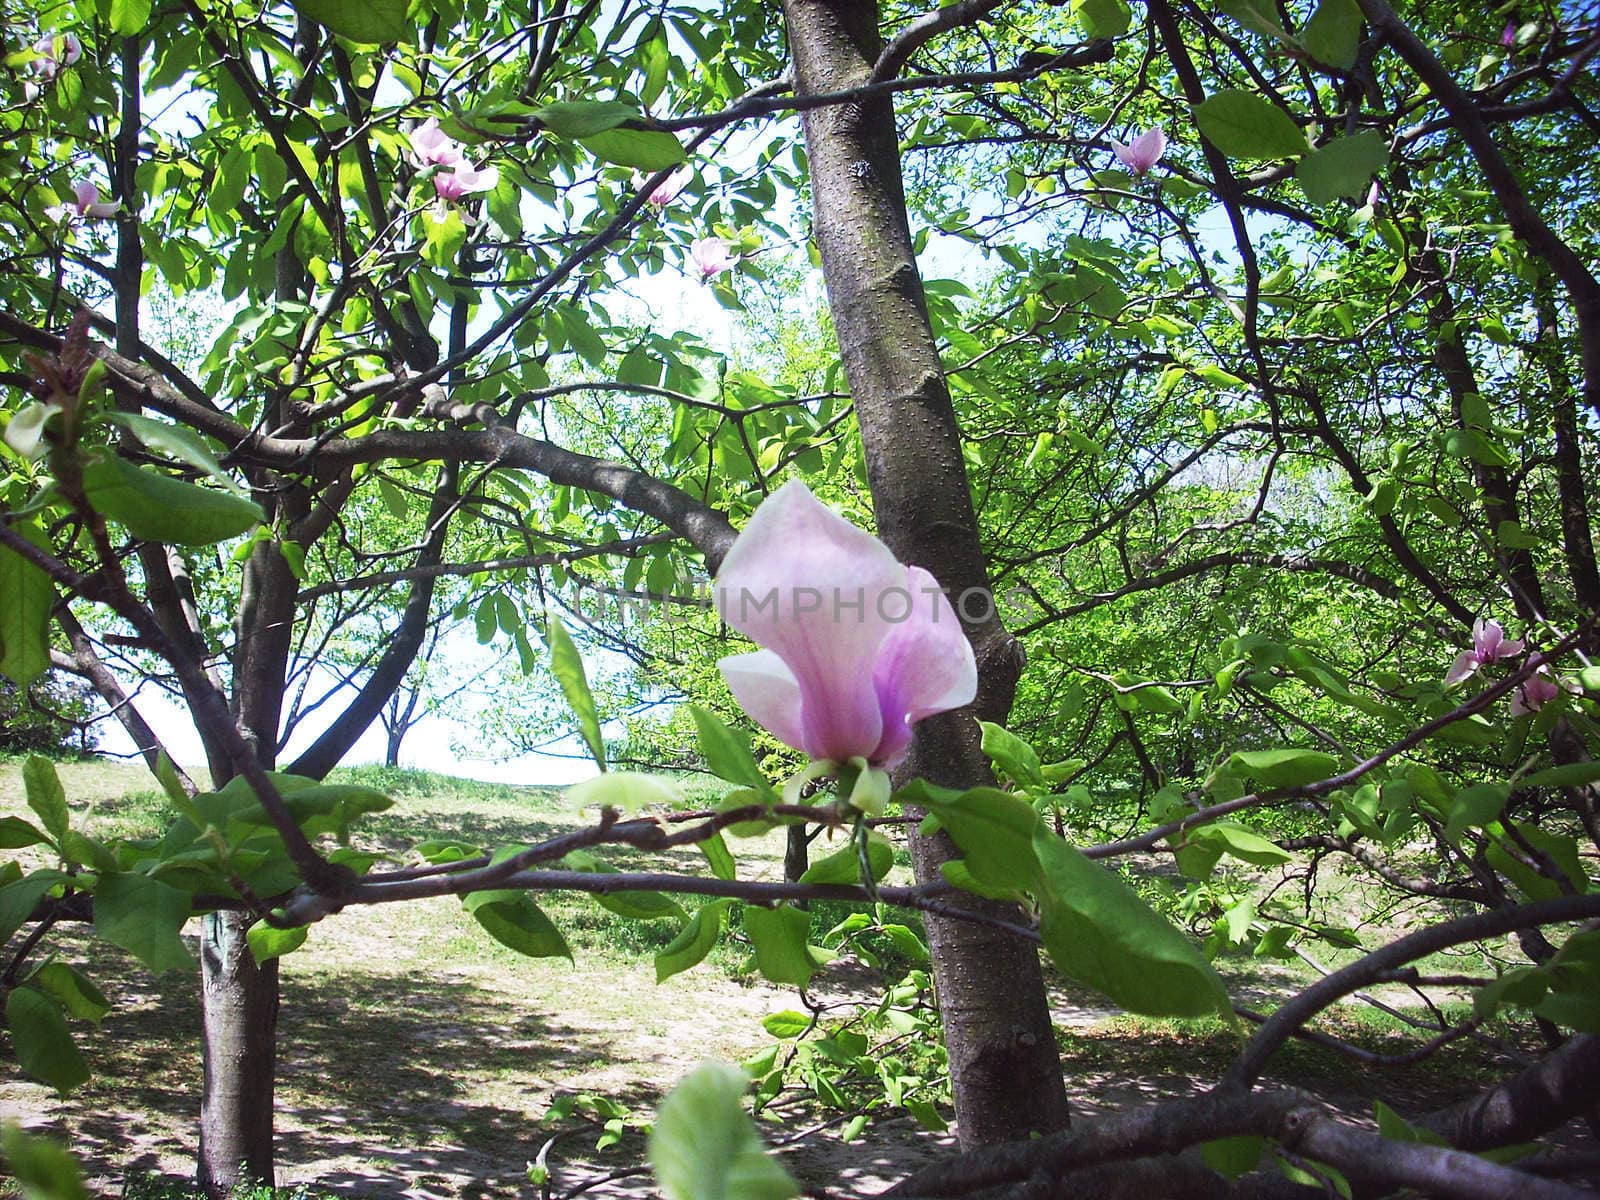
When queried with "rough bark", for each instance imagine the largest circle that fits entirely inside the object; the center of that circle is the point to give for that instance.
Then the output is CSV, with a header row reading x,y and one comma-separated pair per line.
x,y
1004,1067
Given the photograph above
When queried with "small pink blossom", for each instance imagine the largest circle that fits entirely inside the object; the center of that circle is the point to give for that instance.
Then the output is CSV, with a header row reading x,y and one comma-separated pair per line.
x,y
1534,694
86,203
1372,195
432,147
858,647
1489,645
462,179
665,192
56,50
1508,35
1143,152
712,256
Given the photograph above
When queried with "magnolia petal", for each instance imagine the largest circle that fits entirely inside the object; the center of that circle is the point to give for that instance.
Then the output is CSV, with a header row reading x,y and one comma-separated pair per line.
x,y
1465,665
925,666
1150,145
767,690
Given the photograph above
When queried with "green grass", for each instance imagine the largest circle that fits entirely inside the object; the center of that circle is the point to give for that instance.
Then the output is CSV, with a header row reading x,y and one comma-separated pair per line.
x,y
143,1186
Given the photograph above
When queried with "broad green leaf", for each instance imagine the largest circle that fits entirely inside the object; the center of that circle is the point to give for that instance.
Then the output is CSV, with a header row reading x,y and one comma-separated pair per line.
x,y
41,1041
1258,16
159,508
1233,1156
1333,34
43,1169
1474,807
636,906
844,864
1283,768
513,919
719,857
1343,167
1104,18
73,990
727,751
628,791
143,916
641,149
657,56
19,899
779,937
369,21
178,442
1012,755
1559,849
567,665
704,1146
1101,934
583,118
1244,125
25,611
694,940
1397,1129
267,943
129,17
994,830
45,795
15,833
1244,844
786,1024
1566,775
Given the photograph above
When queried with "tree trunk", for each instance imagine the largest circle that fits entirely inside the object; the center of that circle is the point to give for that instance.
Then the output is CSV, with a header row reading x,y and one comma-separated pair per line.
x,y
1003,1061
240,1007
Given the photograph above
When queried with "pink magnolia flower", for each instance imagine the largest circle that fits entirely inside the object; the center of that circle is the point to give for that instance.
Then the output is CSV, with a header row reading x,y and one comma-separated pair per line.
x,y
712,256
1489,644
858,646
56,50
665,192
432,147
1144,151
1534,694
463,178
86,203
1508,35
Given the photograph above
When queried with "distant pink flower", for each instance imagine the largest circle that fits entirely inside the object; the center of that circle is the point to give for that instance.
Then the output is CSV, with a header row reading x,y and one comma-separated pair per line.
x,y
1533,695
1144,151
665,192
86,203
1372,195
57,50
858,646
1489,644
432,147
463,179
712,256
1508,35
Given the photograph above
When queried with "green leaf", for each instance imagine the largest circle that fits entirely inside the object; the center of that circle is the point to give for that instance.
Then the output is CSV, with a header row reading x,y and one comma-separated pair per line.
x,y
1474,807
183,444
267,943
583,118
636,906
15,833
42,1042
1333,34
513,919
19,899
1343,167
73,990
786,1024
642,149
159,508
45,795
1560,849
1012,755
628,791
727,751
1233,1156
719,857
994,830
844,864
1244,125
143,916
44,1169
1104,18
1258,16
567,666
1283,768
779,937
1244,844
657,57
25,610
1100,933
694,940
129,17
369,21
1566,775
704,1146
